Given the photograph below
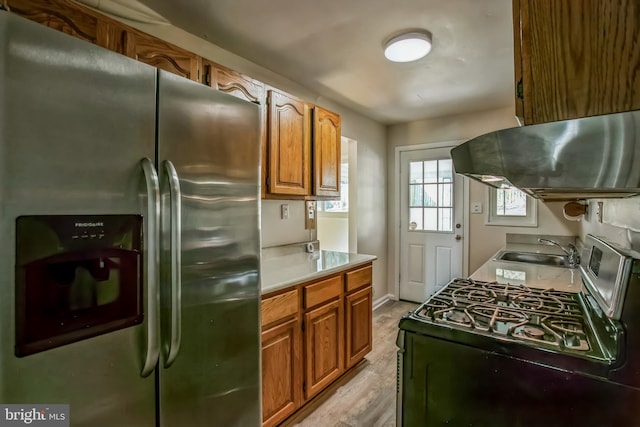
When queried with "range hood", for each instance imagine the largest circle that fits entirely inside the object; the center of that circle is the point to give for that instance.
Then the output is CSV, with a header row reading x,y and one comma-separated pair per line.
x,y
593,157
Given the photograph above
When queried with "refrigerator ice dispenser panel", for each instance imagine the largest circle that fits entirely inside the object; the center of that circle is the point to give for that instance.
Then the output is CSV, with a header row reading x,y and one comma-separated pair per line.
x,y
76,277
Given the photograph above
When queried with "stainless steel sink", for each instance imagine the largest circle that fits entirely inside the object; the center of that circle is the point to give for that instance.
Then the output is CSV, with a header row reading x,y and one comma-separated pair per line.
x,y
533,258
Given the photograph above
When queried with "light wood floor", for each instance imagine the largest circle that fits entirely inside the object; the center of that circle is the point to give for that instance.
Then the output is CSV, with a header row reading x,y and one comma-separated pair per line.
x,y
368,398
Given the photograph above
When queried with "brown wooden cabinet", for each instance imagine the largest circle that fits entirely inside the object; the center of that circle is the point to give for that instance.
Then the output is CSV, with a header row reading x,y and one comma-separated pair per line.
x,y
576,58
312,334
73,19
243,87
281,357
358,315
162,55
289,145
324,359
229,81
281,379
326,153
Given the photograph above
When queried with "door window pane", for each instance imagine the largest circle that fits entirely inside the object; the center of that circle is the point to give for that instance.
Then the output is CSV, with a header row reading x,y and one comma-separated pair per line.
x,y
431,195
445,219
446,171
415,172
431,171
431,219
446,195
415,219
415,195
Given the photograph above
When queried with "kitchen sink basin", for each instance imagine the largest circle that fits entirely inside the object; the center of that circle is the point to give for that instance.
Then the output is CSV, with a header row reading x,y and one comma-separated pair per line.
x,y
533,258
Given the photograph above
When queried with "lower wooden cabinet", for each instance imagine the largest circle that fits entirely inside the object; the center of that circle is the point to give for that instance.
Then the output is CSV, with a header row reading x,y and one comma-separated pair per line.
x,y
312,333
324,334
281,376
358,322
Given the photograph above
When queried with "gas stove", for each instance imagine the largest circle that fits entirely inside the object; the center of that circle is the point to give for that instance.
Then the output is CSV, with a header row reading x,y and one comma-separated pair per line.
x,y
526,353
517,313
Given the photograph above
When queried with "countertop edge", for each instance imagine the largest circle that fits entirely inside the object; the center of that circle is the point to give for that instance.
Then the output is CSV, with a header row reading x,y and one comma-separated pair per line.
x,y
293,281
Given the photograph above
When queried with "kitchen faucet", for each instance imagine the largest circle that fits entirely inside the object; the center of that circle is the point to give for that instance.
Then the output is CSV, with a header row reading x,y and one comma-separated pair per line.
x,y
573,256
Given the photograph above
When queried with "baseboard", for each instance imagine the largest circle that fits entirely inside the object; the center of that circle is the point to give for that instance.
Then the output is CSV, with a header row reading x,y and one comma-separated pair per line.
x,y
383,300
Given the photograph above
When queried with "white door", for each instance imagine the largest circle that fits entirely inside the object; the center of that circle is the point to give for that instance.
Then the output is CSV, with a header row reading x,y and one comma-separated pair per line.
x,y
431,212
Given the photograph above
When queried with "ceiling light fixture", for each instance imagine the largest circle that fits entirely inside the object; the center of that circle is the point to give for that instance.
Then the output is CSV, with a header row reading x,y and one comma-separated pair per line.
x,y
408,46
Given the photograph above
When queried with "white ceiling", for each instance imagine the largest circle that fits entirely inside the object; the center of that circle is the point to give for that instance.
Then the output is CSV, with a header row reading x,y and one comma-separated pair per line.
x,y
334,48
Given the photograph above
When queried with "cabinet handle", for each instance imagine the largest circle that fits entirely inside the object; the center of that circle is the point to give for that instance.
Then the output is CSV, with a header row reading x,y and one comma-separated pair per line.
x,y
519,89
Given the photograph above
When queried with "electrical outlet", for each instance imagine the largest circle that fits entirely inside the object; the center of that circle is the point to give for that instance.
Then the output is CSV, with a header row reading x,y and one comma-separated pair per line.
x,y
476,208
310,216
284,211
599,210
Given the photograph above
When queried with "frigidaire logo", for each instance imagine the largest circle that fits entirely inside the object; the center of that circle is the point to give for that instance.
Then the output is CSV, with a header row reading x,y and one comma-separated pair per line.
x,y
89,224
37,415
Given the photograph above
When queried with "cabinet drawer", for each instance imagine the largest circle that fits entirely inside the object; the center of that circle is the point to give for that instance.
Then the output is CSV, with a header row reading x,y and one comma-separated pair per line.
x,y
358,278
279,307
319,292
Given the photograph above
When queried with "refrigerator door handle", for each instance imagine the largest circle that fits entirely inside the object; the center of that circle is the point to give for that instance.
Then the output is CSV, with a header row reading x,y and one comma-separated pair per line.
x,y
151,233
175,198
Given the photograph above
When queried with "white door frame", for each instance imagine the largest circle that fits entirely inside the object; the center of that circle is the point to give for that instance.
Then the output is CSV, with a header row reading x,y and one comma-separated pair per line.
x,y
397,213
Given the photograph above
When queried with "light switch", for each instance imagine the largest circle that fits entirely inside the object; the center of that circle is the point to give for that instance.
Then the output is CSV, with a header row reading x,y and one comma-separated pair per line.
x,y
476,208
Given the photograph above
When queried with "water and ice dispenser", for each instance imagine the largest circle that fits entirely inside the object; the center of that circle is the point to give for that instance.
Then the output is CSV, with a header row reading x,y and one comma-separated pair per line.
x,y
76,277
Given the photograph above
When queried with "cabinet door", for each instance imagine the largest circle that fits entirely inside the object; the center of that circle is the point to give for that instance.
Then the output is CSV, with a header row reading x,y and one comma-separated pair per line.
x,y
289,145
358,318
163,55
326,153
233,83
324,334
73,19
281,372
576,58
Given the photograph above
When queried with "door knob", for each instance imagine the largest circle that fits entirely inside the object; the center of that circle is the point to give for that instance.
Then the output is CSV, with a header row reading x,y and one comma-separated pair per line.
x,y
458,237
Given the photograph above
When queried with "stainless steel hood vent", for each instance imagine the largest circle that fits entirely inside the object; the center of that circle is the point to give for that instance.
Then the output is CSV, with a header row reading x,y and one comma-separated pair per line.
x,y
593,157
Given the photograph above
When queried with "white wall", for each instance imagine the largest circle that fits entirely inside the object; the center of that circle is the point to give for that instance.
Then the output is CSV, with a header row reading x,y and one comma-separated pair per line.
x,y
620,222
484,240
372,158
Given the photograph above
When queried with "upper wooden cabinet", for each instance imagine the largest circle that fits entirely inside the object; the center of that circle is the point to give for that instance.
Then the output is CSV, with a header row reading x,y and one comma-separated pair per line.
x,y
576,58
233,83
298,166
289,145
326,153
163,55
73,19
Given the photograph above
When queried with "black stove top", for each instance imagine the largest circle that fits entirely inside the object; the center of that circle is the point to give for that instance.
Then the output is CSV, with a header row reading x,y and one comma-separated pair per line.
x,y
546,319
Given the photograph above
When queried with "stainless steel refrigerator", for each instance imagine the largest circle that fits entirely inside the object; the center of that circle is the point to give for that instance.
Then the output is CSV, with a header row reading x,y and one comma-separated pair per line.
x,y
129,230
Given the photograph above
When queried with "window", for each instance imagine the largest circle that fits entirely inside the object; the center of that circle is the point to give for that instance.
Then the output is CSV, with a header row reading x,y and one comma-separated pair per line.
x,y
431,195
511,207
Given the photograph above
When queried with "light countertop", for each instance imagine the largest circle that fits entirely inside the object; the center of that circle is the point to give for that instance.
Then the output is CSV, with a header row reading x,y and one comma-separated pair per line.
x,y
282,271
531,275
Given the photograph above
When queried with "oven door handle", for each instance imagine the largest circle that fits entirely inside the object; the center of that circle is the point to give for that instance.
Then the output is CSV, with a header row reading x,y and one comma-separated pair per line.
x,y
175,248
150,268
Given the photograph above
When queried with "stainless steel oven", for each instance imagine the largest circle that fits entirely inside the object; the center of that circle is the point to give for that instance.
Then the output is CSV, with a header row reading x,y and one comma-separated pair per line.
x,y
491,354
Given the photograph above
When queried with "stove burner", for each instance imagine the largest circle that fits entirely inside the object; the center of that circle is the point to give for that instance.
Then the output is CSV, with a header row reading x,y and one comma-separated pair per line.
x,y
474,293
567,326
457,316
533,332
498,314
